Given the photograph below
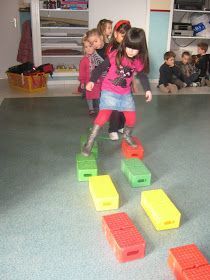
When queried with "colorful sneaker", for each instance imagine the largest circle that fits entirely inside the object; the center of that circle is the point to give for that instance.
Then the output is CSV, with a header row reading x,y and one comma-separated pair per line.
x,y
113,136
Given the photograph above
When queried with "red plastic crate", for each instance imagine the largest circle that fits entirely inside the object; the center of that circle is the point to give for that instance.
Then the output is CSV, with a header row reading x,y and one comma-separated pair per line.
x,y
130,152
200,273
185,257
123,237
114,222
128,244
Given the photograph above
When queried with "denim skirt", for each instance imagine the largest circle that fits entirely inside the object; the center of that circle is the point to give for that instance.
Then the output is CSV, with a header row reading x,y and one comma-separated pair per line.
x,y
114,101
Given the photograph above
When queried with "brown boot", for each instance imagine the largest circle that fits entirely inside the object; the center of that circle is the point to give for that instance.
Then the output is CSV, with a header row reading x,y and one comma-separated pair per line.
x,y
86,150
127,136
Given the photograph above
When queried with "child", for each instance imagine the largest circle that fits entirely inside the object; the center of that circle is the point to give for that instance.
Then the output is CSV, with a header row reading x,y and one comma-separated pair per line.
x,y
105,29
132,56
189,72
97,41
117,119
203,62
170,75
119,31
87,64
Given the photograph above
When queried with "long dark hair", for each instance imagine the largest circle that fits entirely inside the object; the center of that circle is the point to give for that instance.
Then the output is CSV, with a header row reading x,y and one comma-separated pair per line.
x,y
122,27
135,39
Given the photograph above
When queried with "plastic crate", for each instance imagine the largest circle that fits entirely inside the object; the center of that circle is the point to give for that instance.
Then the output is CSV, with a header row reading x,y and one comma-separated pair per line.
x,y
160,209
33,83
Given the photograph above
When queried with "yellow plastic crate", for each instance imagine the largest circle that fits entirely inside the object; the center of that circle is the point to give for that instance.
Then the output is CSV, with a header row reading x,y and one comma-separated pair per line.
x,y
160,209
103,192
35,83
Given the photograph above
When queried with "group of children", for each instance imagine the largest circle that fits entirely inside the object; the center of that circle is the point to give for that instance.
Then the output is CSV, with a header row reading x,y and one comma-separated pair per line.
x,y
190,71
106,71
98,44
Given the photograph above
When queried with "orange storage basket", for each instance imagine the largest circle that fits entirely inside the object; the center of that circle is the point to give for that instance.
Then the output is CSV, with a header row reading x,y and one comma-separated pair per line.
x,y
30,83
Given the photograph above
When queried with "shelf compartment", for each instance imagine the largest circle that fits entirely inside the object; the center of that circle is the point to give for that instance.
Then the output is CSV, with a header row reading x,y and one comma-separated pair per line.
x,y
192,37
63,10
59,27
192,11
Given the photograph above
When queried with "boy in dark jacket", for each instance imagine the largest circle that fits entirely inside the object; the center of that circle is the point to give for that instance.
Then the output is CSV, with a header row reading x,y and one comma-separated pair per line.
x,y
170,75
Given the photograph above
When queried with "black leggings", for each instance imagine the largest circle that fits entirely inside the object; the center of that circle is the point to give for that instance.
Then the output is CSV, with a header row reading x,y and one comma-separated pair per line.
x,y
116,121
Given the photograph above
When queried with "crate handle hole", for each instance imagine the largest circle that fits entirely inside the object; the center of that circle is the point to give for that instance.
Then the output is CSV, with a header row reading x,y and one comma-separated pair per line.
x,y
106,203
87,175
168,222
134,155
132,253
141,180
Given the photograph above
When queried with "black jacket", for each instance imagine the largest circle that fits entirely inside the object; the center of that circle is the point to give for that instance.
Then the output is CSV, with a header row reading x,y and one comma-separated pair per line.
x,y
168,74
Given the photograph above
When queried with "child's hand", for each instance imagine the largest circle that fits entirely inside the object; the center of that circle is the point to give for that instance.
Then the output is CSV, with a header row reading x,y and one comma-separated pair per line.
x,y
148,96
89,86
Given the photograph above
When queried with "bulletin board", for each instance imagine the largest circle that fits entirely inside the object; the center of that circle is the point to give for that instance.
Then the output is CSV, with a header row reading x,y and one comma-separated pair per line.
x,y
160,5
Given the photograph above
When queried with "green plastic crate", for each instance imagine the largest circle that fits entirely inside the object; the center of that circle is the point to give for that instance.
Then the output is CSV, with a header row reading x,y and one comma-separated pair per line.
x,y
136,172
86,169
80,157
83,140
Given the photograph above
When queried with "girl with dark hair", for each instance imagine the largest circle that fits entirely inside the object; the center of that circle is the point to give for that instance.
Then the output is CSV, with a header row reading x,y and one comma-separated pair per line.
x,y
132,56
117,119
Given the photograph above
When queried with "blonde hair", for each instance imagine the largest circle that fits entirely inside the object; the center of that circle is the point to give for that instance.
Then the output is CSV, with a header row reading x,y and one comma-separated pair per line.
x,y
102,26
93,32
84,39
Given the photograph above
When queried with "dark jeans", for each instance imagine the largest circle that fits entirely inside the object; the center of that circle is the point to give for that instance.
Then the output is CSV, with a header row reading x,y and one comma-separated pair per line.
x,y
192,78
116,121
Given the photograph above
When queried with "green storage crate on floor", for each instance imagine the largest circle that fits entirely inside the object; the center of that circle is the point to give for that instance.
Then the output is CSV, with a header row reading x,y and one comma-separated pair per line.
x,y
80,157
86,167
137,173
83,140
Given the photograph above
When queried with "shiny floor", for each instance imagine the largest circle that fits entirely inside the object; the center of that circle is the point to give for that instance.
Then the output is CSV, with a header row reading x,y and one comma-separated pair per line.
x,y
48,224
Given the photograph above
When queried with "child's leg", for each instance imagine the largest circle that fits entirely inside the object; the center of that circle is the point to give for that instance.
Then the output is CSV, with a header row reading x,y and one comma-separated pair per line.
x,y
96,105
90,104
100,120
121,121
130,120
164,89
179,83
114,121
103,117
172,88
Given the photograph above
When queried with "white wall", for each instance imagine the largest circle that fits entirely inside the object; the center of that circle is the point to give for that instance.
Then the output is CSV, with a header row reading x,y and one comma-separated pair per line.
x,y
134,10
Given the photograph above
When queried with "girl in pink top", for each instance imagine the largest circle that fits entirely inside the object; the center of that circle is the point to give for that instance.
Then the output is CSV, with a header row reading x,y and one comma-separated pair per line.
x,y
132,56
90,60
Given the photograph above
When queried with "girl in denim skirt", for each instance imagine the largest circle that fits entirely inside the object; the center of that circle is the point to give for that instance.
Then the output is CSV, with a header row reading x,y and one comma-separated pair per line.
x,y
132,56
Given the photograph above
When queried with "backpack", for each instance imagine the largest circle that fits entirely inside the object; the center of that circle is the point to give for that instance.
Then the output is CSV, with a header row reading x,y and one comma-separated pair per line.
x,y
46,68
22,68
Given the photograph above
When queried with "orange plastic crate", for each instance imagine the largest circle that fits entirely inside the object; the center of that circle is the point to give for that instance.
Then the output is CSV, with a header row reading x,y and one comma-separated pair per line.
x,y
130,152
34,83
185,257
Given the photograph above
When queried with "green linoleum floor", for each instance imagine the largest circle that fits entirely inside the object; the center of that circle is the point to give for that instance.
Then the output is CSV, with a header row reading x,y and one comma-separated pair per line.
x,y
48,225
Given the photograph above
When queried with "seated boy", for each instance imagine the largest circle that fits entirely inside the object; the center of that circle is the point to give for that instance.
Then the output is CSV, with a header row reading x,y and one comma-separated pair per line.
x,y
189,73
170,75
203,63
